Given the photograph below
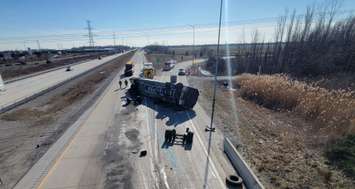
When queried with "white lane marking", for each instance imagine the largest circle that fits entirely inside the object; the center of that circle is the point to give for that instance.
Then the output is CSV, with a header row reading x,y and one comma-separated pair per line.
x,y
144,181
205,150
165,178
155,139
150,149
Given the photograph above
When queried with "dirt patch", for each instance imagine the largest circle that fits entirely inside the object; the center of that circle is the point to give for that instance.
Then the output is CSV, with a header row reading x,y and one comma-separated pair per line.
x,y
27,131
132,134
118,150
117,166
280,147
23,114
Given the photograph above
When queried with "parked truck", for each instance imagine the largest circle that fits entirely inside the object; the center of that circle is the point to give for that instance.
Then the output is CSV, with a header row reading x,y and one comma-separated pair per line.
x,y
128,71
148,70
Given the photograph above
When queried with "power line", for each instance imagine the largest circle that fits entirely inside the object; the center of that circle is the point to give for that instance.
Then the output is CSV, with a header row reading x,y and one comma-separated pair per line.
x,y
38,45
90,35
138,32
144,30
114,39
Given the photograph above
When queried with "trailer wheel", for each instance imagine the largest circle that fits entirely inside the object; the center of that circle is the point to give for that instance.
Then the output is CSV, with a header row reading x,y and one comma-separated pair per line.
x,y
173,135
189,138
184,139
167,136
235,181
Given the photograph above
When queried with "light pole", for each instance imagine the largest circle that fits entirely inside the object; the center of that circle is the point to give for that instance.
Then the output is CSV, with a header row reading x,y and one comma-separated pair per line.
x,y
193,43
211,129
216,70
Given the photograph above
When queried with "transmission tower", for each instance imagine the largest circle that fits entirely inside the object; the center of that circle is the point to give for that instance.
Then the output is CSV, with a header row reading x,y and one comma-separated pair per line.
x,y
90,34
38,45
114,39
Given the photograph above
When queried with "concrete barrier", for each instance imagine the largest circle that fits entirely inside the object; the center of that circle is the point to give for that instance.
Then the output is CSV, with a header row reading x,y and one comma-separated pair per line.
x,y
249,178
33,96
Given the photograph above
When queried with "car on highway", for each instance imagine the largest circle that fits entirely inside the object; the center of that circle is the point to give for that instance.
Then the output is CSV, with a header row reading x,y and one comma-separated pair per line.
x,y
169,65
68,69
181,72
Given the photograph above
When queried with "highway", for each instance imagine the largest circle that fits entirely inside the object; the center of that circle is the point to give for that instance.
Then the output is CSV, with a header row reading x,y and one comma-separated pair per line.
x,y
21,89
175,166
190,167
102,149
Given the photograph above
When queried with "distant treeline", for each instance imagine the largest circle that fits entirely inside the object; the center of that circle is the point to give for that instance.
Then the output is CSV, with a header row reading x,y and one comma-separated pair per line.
x,y
308,45
157,49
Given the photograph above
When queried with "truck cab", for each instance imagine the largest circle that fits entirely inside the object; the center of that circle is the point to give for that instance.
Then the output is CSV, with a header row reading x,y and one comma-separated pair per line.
x,y
148,70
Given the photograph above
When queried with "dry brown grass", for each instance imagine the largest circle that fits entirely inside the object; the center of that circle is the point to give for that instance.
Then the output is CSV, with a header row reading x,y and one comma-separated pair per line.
x,y
333,109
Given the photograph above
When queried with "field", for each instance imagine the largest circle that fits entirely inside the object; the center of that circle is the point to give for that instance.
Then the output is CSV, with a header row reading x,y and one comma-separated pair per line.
x,y
268,120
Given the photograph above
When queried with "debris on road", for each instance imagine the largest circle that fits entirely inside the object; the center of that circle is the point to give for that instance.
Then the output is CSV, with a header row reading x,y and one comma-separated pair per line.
x,y
68,69
234,181
171,137
143,153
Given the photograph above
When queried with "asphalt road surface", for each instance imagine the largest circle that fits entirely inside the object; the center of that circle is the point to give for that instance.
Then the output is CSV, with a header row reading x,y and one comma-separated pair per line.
x,y
22,89
202,166
102,150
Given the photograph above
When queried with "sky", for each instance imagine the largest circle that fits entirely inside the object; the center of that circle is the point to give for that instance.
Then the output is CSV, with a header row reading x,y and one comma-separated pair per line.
x,y
62,23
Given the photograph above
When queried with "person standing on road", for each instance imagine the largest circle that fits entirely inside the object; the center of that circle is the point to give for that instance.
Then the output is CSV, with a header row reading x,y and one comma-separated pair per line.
x,y
125,83
120,83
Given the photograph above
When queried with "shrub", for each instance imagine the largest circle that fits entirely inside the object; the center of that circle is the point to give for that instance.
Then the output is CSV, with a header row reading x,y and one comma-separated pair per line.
x,y
342,155
333,108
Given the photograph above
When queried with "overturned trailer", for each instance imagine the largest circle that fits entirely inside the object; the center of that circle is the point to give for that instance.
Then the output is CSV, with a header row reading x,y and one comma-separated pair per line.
x,y
176,94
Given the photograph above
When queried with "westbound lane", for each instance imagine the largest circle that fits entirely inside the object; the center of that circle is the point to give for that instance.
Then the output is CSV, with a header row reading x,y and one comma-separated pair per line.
x,y
22,89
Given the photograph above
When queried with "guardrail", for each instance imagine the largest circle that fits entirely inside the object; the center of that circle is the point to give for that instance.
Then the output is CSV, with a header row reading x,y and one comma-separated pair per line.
x,y
21,101
249,178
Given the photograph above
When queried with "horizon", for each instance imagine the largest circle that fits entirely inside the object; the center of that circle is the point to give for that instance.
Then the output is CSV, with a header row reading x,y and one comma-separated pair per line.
x,y
57,32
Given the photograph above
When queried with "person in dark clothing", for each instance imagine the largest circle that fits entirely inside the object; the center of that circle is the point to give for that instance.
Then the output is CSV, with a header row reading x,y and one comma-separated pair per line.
x,y
125,83
120,83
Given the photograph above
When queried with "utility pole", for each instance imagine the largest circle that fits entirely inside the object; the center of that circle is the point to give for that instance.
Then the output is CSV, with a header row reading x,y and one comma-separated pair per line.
x,y
90,35
216,70
211,129
38,45
114,39
193,43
